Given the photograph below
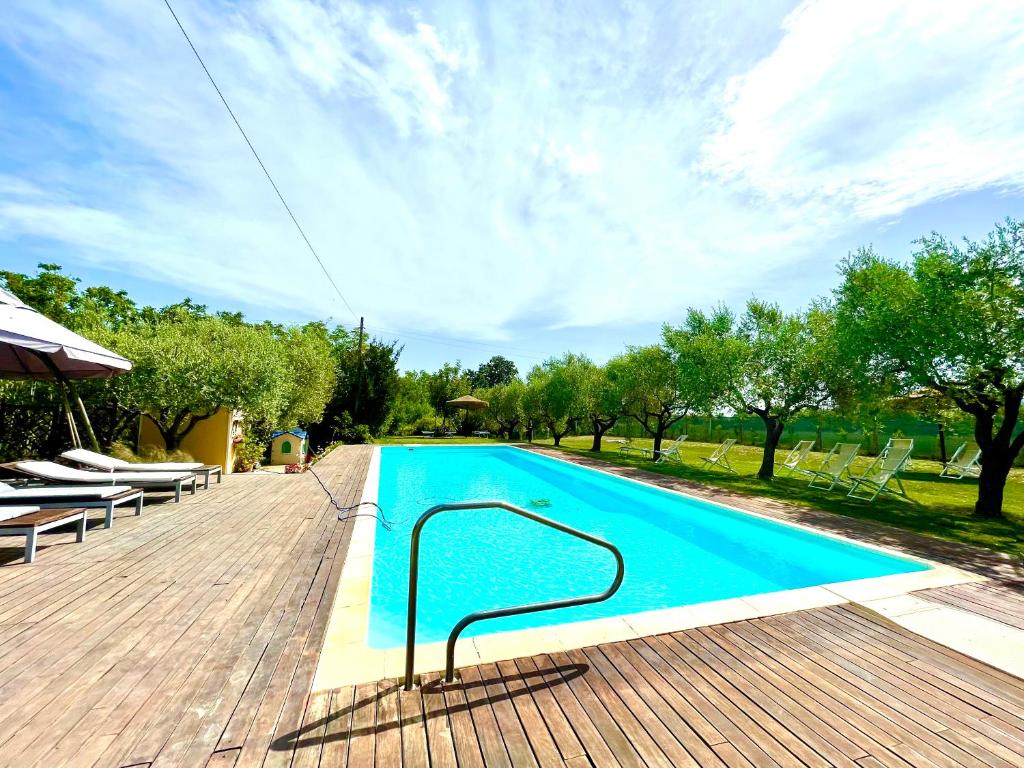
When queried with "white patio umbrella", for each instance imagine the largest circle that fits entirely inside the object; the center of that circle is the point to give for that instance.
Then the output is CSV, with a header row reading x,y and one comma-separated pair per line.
x,y
32,346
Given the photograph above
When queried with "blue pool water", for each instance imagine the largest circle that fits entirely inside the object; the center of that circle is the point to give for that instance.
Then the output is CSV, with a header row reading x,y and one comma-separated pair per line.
x,y
678,550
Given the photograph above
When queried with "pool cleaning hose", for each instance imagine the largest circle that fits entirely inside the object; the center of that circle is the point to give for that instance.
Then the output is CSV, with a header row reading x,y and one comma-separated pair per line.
x,y
346,513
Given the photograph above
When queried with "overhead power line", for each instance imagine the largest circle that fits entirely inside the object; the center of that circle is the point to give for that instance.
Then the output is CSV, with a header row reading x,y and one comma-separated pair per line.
x,y
260,161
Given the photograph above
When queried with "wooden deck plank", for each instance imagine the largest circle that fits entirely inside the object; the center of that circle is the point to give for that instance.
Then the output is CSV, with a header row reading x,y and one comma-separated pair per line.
x,y
999,601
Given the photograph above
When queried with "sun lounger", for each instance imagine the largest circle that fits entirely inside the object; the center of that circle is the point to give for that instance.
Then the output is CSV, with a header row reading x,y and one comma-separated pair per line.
x,y
58,473
796,456
30,521
965,462
95,460
720,457
671,453
629,448
876,477
835,467
104,497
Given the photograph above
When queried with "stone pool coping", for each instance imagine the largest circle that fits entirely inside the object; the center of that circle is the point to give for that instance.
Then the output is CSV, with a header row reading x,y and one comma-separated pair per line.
x,y
347,659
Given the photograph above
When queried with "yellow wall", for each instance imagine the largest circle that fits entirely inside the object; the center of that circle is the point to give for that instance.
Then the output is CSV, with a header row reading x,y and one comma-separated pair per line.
x,y
210,441
298,454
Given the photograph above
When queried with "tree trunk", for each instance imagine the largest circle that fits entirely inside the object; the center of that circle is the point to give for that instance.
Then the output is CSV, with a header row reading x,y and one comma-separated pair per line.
x,y
659,433
773,427
995,467
942,442
558,438
600,427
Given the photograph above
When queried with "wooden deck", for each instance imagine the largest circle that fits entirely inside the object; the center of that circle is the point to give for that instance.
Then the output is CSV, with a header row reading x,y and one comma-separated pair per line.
x,y
189,637
185,636
831,686
1001,601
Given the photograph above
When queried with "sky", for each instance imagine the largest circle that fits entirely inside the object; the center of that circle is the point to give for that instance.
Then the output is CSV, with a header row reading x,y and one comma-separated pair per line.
x,y
501,178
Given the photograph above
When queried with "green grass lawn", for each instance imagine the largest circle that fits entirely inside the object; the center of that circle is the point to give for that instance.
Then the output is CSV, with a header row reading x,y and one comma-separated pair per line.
x,y
938,507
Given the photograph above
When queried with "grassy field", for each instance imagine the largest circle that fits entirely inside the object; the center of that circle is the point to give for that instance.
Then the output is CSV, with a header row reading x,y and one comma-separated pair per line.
x,y
939,507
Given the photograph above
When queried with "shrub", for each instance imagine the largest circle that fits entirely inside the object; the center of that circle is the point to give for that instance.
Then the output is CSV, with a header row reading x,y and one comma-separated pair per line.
x,y
149,454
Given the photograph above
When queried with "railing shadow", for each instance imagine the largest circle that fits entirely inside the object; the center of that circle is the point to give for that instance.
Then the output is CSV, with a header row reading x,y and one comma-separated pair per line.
x,y
296,740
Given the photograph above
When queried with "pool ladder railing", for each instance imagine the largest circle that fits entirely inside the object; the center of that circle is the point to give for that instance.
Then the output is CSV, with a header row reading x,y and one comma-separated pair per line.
x,y
414,567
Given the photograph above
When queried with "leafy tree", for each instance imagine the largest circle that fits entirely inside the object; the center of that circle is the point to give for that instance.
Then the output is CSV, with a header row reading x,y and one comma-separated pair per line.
x,y
766,362
447,383
951,320
603,397
497,370
51,292
311,378
533,399
366,387
651,392
184,371
412,409
930,405
561,388
506,406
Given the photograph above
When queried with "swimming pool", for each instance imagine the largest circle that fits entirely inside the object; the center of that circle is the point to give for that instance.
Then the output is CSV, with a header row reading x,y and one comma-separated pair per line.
x,y
678,550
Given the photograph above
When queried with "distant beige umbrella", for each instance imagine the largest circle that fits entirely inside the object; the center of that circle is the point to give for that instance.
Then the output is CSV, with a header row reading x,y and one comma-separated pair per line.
x,y
468,403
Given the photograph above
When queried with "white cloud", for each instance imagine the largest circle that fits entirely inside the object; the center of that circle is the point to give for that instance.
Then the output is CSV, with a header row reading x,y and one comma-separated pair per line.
x,y
880,106
487,171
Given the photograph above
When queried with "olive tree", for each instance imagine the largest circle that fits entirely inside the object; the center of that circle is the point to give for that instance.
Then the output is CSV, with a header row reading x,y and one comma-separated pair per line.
x,y
652,390
603,401
951,320
183,371
311,373
765,362
559,385
506,406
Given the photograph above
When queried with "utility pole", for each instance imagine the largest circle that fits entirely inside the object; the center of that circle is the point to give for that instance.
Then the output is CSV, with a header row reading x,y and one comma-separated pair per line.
x,y
359,375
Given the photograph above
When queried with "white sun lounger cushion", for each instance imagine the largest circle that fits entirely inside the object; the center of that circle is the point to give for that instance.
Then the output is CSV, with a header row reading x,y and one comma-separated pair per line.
x,y
7,493
111,464
51,471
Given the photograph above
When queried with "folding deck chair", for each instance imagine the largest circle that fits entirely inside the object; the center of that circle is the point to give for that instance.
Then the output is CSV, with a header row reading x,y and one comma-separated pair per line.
x,y
835,467
797,455
877,476
963,463
900,443
720,456
672,452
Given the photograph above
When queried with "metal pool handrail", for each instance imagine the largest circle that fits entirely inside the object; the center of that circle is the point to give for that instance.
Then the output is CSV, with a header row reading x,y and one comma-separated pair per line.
x,y
414,567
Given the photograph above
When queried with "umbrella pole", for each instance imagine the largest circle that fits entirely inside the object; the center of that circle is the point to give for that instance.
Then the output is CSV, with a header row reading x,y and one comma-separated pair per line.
x,y
76,441
88,424
65,388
